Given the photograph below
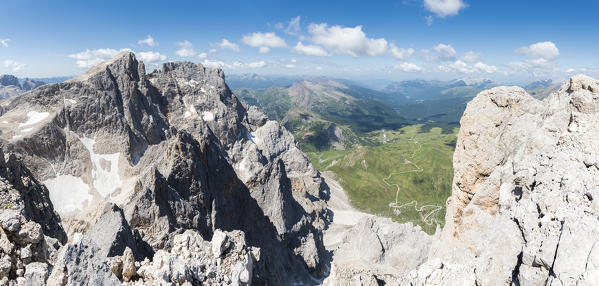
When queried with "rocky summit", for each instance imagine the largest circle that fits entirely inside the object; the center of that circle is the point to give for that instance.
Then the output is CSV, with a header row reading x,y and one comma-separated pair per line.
x,y
118,177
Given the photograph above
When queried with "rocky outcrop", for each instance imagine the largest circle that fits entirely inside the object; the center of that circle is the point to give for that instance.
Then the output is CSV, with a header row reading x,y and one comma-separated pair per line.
x,y
132,160
522,208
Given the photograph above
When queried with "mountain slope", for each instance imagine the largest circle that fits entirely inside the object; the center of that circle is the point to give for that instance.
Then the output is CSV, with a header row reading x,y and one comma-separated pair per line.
x,y
324,113
175,151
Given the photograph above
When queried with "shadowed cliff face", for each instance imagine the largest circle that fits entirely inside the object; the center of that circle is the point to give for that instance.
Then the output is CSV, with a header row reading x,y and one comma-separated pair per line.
x,y
173,151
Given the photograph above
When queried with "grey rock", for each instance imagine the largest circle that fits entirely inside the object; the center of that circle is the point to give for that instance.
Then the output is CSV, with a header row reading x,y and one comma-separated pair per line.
x,y
111,233
220,243
80,263
36,273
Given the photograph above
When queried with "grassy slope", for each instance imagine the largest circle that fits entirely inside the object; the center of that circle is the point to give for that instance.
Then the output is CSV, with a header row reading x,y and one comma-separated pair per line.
x,y
420,163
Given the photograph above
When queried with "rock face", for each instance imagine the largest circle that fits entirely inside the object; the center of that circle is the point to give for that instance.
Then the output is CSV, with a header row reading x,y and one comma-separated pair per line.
x,y
522,208
131,161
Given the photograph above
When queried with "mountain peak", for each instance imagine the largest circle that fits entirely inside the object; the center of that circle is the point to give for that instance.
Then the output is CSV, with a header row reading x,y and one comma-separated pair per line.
x,y
123,63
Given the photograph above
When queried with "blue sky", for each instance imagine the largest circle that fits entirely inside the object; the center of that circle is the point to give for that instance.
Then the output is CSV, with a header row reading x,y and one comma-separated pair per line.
x,y
404,39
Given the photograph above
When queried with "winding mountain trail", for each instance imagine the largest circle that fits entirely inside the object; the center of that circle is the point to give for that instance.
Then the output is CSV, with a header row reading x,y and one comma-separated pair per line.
x,y
396,208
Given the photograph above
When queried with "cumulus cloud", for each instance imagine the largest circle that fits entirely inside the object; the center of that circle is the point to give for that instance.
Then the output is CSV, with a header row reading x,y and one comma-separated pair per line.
x,y
4,42
310,50
151,57
186,49
440,53
263,41
13,65
264,50
225,44
444,8
234,65
258,64
90,58
536,67
202,55
445,52
460,66
400,53
408,67
149,41
543,50
346,40
470,57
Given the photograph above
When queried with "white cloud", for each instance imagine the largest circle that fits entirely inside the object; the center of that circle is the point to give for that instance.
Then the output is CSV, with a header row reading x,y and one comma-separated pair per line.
x,y
400,53
310,50
445,52
225,44
470,57
571,70
408,67
482,67
90,58
186,49
234,65
13,65
151,57
444,8
289,66
264,50
263,41
318,68
212,51
346,40
293,60
149,41
202,55
213,64
543,50
440,53
259,64
460,66
536,67
4,42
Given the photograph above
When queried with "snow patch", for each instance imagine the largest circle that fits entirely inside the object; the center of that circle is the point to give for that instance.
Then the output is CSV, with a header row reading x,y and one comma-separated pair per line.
x,y
71,101
202,89
34,117
68,193
106,179
27,129
212,86
208,116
